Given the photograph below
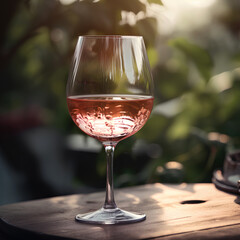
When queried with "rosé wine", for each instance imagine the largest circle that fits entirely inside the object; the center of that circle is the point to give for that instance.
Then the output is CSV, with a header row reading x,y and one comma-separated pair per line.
x,y
110,117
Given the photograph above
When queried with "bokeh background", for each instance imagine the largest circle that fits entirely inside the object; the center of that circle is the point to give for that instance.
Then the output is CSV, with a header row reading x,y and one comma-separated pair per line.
x,y
194,52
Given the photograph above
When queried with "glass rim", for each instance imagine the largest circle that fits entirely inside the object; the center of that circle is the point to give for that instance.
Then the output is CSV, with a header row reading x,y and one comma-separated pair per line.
x,y
111,36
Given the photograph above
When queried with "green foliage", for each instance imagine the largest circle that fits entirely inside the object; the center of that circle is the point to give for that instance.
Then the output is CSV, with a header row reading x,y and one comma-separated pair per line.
x,y
156,122
153,56
195,54
36,48
40,40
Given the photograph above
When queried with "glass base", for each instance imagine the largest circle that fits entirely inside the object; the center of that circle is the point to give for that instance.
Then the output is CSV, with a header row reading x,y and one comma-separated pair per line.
x,y
110,216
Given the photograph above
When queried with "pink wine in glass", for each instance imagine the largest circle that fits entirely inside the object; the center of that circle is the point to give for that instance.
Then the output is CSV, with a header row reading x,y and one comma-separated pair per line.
x,y
108,67
110,117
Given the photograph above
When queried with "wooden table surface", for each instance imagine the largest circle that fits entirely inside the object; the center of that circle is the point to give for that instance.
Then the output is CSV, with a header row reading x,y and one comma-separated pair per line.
x,y
185,211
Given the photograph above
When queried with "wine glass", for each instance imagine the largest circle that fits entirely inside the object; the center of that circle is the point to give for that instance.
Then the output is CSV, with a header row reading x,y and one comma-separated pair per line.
x,y
110,97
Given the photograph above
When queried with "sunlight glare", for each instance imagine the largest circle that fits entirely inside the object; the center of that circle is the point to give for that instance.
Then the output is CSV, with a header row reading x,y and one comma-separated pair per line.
x,y
67,2
135,199
179,14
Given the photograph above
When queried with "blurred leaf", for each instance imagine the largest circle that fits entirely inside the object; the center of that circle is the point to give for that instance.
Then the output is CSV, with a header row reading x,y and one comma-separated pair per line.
x,y
171,82
154,127
152,56
236,59
8,10
103,21
199,56
155,1
147,27
134,6
179,129
169,108
230,109
27,3
44,12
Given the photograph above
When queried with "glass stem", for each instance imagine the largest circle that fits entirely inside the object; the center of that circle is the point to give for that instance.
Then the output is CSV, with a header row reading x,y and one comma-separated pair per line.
x,y
109,200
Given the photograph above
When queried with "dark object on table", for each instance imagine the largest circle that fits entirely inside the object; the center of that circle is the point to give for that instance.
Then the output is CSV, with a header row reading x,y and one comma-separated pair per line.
x,y
228,180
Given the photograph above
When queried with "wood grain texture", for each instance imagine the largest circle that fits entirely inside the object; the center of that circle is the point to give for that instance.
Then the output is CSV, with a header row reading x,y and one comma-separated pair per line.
x,y
217,217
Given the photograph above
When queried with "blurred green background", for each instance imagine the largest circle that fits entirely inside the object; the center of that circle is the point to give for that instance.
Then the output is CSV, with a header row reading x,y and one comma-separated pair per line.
x,y
194,52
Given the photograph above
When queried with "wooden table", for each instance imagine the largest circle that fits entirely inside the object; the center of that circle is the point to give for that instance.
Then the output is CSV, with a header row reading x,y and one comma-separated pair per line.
x,y
185,211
